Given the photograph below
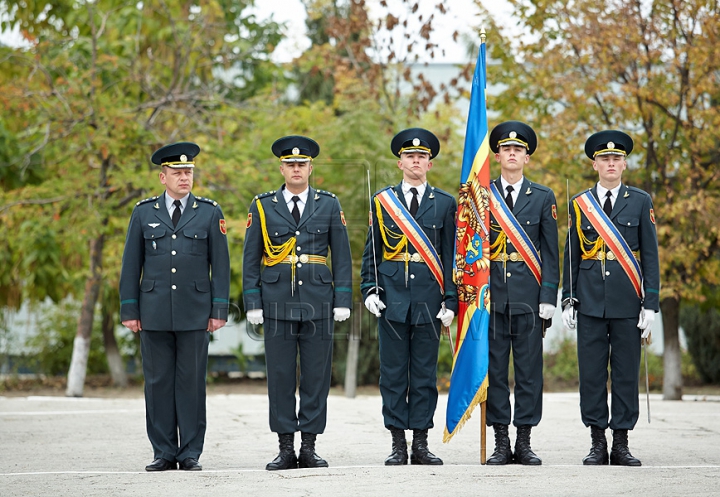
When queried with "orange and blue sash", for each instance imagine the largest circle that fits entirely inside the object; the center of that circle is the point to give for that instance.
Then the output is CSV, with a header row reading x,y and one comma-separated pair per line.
x,y
612,238
515,233
412,230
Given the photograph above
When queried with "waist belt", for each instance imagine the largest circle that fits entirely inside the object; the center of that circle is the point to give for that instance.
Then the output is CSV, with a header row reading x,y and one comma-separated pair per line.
x,y
304,258
416,257
512,257
609,256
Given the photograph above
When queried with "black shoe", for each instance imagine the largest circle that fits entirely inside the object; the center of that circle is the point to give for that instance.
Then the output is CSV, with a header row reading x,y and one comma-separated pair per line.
x,y
160,464
308,458
286,459
598,455
399,455
190,464
620,454
420,453
502,455
523,453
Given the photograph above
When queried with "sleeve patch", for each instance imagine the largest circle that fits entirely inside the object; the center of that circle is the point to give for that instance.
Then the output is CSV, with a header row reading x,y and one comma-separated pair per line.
x,y
652,216
249,220
342,218
554,212
223,227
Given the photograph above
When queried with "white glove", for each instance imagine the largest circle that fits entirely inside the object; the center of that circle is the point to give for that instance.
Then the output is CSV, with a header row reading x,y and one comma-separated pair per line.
x,y
647,317
255,316
546,311
341,313
374,304
446,316
568,318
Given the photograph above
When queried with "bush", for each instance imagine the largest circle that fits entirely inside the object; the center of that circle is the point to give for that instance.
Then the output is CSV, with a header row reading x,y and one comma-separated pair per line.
x,y
53,345
702,329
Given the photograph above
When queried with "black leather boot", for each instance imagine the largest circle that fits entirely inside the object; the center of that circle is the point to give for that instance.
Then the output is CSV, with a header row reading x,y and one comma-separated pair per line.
x,y
620,454
503,453
420,453
286,459
523,452
399,455
308,458
598,451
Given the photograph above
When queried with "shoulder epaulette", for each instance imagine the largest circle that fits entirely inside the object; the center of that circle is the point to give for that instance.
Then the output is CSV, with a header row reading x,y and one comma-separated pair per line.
x,y
329,194
206,200
440,192
540,187
266,194
149,199
637,190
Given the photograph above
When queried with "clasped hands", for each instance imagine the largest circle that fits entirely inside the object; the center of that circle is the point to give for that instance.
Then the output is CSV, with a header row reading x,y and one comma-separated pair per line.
x,y
255,316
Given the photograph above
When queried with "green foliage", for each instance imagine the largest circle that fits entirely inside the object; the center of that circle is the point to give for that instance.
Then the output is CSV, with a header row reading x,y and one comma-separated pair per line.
x,y
53,345
702,329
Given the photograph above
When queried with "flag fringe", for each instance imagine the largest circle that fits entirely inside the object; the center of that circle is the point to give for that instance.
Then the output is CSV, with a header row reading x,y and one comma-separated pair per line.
x,y
480,396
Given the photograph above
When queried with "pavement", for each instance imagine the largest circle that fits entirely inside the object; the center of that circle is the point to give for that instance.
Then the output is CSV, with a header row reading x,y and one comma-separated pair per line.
x,y
97,446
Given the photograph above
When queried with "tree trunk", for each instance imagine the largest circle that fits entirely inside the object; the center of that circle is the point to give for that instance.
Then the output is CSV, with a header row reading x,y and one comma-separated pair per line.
x,y
352,356
672,377
114,359
81,344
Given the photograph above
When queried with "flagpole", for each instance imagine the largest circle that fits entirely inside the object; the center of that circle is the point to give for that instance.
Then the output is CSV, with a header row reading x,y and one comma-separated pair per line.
x,y
483,404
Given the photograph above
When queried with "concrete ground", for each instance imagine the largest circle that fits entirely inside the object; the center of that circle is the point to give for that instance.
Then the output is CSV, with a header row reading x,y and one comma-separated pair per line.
x,y
98,446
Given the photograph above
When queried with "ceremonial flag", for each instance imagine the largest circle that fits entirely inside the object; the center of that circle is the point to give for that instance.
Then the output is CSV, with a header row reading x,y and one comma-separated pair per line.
x,y
471,270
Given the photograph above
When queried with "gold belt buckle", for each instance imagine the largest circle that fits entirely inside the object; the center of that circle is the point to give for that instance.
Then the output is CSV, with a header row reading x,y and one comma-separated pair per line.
x,y
304,258
601,256
611,256
415,257
514,256
293,259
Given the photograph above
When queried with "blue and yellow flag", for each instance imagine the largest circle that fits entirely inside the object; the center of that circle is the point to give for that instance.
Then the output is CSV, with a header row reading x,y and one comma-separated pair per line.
x,y
471,271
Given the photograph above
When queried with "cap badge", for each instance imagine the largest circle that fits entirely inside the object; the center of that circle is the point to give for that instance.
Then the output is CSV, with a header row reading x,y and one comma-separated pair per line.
x,y
416,142
611,145
513,134
183,158
296,151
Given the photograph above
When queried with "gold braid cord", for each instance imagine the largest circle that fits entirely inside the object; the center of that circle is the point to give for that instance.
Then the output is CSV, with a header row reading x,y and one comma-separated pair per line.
x,y
386,234
594,246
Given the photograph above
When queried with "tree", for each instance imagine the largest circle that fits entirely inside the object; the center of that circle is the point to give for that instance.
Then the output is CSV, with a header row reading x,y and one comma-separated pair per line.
x,y
101,86
651,69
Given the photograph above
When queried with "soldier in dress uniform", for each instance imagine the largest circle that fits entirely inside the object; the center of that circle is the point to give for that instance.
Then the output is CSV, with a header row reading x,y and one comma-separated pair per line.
x,y
612,242
407,283
524,276
288,285
174,243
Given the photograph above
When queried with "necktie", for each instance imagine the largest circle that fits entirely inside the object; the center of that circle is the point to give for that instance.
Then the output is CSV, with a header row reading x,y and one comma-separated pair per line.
x,y
176,213
508,197
295,210
607,206
414,202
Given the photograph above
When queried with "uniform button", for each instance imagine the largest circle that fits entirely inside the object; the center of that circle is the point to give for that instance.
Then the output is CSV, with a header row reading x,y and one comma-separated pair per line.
x,y
299,265
298,249
297,233
300,282
508,275
433,226
174,236
528,222
412,276
628,224
276,233
195,236
173,252
174,287
174,270
607,273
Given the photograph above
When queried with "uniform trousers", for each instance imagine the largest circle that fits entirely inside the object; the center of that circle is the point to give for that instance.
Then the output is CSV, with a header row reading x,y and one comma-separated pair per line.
x,y
408,373
600,339
521,333
175,367
313,340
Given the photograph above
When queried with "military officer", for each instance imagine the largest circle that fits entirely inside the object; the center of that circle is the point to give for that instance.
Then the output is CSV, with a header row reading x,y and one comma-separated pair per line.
x,y
524,275
407,283
174,243
288,285
615,282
